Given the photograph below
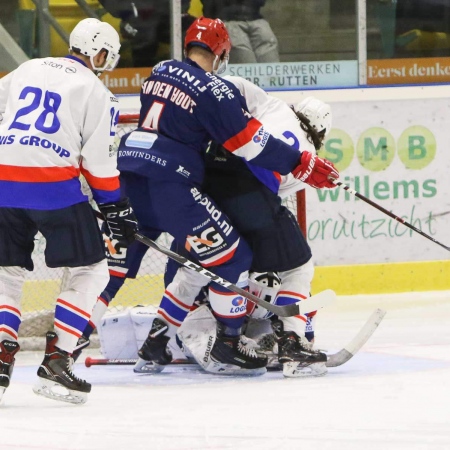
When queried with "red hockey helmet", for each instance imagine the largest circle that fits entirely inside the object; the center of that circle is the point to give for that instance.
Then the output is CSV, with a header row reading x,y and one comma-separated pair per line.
x,y
209,33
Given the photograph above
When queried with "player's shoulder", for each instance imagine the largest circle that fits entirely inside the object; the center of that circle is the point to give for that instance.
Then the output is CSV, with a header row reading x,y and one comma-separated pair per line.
x,y
239,81
245,86
221,89
181,74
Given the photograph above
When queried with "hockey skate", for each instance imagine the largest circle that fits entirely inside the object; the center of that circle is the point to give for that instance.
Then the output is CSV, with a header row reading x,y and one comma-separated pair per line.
x,y
7,351
234,355
297,356
154,354
56,379
268,345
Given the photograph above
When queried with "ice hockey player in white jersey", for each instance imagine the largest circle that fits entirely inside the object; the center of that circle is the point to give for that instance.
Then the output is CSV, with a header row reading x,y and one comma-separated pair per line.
x,y
59,123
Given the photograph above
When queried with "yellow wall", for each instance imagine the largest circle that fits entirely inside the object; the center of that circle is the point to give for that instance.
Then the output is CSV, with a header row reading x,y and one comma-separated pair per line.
x,y
383,278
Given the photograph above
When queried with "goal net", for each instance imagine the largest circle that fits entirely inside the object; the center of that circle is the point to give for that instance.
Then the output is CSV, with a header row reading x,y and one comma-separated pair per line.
x,y
43,284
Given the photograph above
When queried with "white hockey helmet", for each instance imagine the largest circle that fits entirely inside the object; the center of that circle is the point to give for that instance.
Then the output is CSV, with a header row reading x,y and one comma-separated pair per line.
x,y
317,112
265,286
92,35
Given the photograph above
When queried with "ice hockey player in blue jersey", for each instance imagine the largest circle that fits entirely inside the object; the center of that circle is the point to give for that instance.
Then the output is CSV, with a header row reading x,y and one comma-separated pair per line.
x,y
274,236
184,105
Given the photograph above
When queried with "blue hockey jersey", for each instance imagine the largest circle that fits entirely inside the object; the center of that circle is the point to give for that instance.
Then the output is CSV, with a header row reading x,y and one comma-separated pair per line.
x,y
182,102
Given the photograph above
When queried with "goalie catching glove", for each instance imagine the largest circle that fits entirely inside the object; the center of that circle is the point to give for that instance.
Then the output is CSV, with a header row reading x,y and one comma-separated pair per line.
x,y
121,221
315,171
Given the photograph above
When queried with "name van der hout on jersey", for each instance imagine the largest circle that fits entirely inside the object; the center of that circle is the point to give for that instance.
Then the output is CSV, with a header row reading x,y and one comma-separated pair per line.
x,y
167,91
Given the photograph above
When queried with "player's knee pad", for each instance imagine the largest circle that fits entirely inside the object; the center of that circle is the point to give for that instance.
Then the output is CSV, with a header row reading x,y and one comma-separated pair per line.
x,y
11,284
296,286
298,279
186,285
227,306
88,279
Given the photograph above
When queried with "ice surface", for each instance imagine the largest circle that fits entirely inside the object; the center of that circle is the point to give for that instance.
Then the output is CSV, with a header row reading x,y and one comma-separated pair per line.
x,y
394,394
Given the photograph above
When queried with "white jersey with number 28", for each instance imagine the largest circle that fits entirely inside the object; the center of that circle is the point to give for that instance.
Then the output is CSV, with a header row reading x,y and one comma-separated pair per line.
x,y
58,122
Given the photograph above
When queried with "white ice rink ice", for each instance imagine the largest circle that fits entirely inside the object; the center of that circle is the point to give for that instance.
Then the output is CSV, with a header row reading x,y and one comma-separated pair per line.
x,y
393,395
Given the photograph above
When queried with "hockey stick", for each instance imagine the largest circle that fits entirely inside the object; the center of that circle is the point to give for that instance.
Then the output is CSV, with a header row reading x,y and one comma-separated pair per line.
x,y
335,360
385,211
124,362
311,304
342,356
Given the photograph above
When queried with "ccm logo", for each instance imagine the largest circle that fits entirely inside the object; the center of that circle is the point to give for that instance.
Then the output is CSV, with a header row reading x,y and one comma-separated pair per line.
x,y
124,213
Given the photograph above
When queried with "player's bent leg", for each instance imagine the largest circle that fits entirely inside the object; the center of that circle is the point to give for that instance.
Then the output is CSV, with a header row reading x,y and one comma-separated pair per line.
x,y
75,304
73,310
232,352
176,303
198,335
154,354
295,287
294,350
121,265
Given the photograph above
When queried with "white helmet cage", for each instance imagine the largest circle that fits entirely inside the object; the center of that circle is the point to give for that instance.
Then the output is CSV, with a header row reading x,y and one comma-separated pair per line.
x,y
90,36
265,286
317,112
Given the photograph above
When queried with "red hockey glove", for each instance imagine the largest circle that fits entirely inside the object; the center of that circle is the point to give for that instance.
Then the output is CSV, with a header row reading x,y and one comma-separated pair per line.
x,y
315,171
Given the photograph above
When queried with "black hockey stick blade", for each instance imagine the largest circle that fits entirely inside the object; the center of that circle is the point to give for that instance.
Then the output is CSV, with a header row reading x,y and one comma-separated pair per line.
x,y
388,213
311,304
342,356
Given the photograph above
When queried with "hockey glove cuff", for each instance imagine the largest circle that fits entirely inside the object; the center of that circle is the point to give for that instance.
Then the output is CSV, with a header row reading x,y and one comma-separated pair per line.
x,y
315,171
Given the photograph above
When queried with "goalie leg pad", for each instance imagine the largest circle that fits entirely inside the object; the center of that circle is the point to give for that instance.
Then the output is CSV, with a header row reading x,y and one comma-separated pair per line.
x,y
198,334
